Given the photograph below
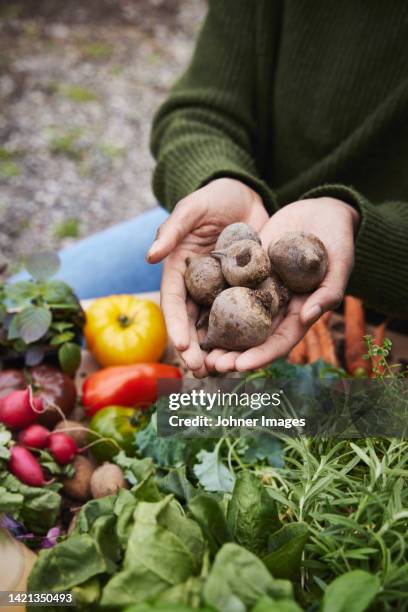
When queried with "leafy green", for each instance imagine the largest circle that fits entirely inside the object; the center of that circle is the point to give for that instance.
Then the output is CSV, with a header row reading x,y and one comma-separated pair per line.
x,y
351,592
263,447
252,513
40,314
36,507
211,473
21,293
285,550
69,355
176,482
43,265
266,604
238,580
166,452
68,564
32,323
155,559
208,514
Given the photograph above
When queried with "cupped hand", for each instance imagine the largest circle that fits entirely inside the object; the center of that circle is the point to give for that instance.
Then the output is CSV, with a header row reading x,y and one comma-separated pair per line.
x,y
335,223
193,229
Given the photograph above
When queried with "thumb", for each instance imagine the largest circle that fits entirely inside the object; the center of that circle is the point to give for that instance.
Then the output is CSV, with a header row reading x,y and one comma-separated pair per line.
x,y
184,218
329,295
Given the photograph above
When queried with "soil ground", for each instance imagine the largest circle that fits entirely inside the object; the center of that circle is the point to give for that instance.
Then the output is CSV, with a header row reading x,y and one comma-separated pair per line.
x,y
79,83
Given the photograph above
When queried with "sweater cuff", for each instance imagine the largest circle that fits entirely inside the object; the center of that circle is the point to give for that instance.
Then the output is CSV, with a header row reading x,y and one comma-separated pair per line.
x,y
185,169
374,252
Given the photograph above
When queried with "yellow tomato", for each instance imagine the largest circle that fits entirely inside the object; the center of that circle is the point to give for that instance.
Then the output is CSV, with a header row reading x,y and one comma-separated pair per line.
x,y
124,329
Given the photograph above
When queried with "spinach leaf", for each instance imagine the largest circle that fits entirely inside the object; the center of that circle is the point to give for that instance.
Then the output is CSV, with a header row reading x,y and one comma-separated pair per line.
x,y
252,514
68,564
211,473
351,592
285,550
104,535
208,514
155,560
40,506
238,579
10,503
91,511
87,594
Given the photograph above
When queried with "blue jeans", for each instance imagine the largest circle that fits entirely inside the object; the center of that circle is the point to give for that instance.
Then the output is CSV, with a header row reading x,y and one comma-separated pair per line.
x,y
113,261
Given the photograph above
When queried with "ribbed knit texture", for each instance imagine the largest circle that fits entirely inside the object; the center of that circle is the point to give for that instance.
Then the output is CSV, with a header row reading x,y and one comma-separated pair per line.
x,y
301,96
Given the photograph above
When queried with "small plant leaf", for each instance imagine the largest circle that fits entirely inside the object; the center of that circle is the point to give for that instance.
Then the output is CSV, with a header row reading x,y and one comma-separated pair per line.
x,y
62,338
43,265
351,592
32,323
57,292
21,293
69,356
34,355
285,550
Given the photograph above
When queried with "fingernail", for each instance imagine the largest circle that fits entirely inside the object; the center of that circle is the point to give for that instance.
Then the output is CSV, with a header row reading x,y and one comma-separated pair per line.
x,y
313,313
151,252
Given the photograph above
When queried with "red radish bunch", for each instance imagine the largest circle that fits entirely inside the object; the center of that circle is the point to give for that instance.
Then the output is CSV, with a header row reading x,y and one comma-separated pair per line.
x,y
35,436
19,409
25,467
62,447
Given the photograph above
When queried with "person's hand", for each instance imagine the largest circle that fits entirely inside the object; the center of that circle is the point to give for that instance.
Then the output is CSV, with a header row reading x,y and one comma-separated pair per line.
x,y
193,229
335,223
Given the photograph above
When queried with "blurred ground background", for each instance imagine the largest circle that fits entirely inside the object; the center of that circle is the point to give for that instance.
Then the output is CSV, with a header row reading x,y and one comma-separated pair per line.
x,y
79,82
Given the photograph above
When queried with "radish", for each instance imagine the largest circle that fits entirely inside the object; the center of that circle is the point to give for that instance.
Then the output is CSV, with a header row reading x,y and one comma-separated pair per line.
x,y
35,436
25,467
17,410
62,447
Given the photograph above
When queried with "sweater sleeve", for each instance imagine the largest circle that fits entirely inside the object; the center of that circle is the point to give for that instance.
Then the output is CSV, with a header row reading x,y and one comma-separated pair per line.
x,y
380,269
206,128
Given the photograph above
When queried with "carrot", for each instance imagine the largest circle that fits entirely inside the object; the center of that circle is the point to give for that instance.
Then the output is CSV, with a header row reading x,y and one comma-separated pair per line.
x,y
327,346
354,332
313,347
379,337
299,353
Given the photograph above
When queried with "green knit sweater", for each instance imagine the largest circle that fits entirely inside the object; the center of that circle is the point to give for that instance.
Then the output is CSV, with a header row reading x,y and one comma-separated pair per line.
x,y
295,98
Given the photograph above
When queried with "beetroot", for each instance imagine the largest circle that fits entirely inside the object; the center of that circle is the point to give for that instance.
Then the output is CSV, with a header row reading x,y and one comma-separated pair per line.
x,y
62,447
25,467
35,436
16,409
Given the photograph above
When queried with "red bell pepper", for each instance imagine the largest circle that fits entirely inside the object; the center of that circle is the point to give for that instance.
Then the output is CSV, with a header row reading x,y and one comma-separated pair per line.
x,y
130,385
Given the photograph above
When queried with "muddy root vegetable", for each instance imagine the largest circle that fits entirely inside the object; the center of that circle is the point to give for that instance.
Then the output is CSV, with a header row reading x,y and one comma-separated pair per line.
x,y
244,263
235,232
35,436
274,288
300,260
239,319
19,410
25,467
79,486
62,447
107,480
204,279
77,431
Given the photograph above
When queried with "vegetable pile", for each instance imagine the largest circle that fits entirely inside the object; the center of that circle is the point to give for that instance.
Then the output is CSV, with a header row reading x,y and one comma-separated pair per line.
x,y
245,287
